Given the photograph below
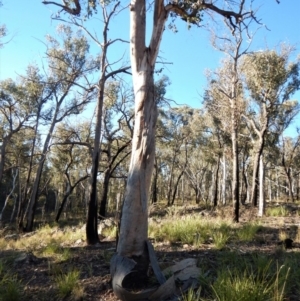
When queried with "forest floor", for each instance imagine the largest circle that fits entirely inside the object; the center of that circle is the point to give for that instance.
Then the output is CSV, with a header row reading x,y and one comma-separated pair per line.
x,y
37,269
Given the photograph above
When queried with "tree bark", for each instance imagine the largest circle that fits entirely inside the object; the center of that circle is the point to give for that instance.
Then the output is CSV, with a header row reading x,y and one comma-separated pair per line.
x,y
258,153
154,183
2,157
235,177
262,201
23,199
134,219
215,195
103,201
224,179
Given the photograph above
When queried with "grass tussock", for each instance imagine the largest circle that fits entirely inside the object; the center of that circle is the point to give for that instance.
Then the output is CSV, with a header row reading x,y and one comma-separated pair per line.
x,y
249,285
193,230
248,231
67,284
10,285
277,211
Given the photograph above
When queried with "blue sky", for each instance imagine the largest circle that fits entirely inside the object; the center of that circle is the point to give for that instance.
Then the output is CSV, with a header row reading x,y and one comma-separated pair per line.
x,y
188,51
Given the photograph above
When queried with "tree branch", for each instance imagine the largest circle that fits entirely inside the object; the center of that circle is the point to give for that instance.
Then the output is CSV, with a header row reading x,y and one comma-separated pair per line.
x,y
73,11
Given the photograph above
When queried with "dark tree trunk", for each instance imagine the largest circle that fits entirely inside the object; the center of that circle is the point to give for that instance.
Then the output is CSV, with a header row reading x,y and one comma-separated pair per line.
x,y
103,201
91,224
154,183
176,187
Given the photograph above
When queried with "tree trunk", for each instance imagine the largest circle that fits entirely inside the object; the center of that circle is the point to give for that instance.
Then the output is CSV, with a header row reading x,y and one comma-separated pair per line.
x,y
290,183
14,178
215,195
103,201
170,184
23,199
235,177
134,218
254,190
176,187
262,201
224,180
35,189
2,158
134,222
154,183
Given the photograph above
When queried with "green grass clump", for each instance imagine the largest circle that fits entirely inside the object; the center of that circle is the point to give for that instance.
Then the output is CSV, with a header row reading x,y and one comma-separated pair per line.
x,y
221,235
277,211
191,295
248,231
187,230
53,249
192,230
249,285
10,286
67,283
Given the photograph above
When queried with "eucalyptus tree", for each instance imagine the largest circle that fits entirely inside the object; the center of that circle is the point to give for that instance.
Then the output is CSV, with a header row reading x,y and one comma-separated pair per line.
x,y
69,160
117,134
16,164
16,108
226,92
68,64
107,70
289,157
174,136
40,93
134,221
270,80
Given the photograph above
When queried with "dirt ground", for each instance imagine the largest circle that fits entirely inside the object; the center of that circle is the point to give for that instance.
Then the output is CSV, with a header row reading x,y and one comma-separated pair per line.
x,y
36,273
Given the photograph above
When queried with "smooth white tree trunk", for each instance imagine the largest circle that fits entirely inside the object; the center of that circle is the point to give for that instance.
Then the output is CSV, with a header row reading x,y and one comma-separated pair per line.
x,y
224,179
262,201
134,219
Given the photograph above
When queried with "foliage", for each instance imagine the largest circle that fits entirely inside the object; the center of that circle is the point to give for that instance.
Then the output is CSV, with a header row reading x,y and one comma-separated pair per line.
x,y
191,229
192,295
67,283
248,231
277,211
10,285
248,285
221,235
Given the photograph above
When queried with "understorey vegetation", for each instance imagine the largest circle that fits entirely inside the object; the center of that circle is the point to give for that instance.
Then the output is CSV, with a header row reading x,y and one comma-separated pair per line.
x,y
249,260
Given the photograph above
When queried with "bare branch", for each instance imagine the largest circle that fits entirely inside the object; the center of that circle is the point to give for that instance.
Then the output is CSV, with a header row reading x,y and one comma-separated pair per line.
x,y
73,11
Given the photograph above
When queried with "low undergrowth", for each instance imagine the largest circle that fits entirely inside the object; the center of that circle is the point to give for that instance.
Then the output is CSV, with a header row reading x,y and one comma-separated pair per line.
x,y
195,230
244,261
10,286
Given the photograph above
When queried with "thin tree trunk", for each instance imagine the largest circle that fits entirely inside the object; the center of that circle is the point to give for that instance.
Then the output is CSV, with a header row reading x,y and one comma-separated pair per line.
x,y
258,153
176,187
14,177
2,157
235,178
23,200
262,201
103,201
224,180
35,189
154,183
215,196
